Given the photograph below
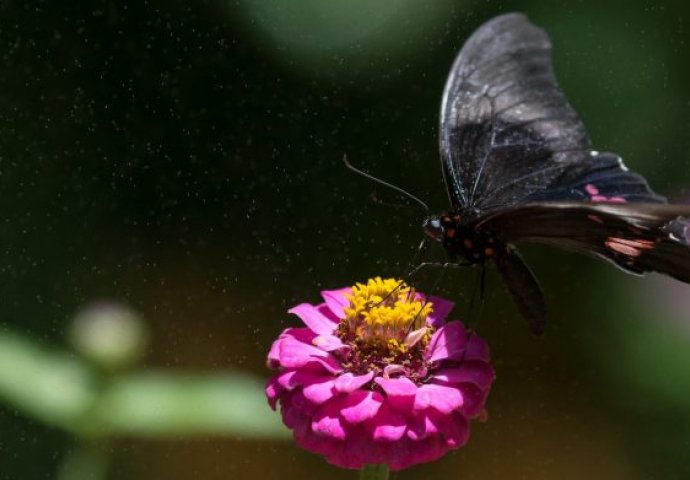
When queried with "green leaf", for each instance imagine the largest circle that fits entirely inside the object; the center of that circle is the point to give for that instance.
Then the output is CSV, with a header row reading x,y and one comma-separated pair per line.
x,y
53,387
159,404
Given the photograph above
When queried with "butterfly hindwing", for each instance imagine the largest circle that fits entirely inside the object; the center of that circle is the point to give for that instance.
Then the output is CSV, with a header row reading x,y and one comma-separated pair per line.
x,y
524,288
607,180
507,131
637,237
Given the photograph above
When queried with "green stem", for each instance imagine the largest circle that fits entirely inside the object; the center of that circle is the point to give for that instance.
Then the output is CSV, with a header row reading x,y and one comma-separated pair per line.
x,y
374,472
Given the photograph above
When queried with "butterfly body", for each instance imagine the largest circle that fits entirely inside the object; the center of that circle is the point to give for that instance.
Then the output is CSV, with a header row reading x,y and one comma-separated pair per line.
x,y
462,239
519,167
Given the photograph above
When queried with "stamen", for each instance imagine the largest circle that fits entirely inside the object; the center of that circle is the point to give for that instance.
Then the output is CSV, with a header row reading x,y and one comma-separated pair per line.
x,y
386,322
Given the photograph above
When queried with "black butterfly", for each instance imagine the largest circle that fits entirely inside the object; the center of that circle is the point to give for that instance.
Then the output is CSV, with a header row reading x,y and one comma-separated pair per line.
x,y
518,166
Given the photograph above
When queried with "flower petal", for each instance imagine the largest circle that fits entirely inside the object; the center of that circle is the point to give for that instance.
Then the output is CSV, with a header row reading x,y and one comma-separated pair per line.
x,y
329,364
442,398
393,369
294,418
336,301
360,406
347,382
400,392
474,399
327,421
476,372
320,390
314,319
388,426
294,354
455,429
291,379
328,343
304,335
442,308
415,336
447,343
273,359
478,349
273,391
421,426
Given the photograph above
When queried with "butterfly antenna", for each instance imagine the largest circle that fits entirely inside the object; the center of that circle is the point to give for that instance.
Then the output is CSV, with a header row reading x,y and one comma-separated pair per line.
x,y
349,166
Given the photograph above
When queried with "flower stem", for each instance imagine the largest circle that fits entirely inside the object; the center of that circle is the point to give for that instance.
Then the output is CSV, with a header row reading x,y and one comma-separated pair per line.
x,y
374,472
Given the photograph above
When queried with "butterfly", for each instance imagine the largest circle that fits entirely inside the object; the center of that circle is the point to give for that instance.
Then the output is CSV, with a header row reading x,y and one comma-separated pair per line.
x,y
518,167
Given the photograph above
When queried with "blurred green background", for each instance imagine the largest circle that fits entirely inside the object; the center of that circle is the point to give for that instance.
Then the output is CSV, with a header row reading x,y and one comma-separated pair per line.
x,y
181,161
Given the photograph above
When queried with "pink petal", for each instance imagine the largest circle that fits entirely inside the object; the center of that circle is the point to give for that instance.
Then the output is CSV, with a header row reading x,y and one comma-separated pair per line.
x,y
295,354
442,308
455,429
476,372
478,349
336,301
298,401
328,343
284,379
320,390
318,444
304,335
295,419
415,336
273,360
443,399
273,391
393,369
348,382
360,406
388,426
421,426
400,392
325,310
474,400
292,379
313,319
448,343
327,421
329,364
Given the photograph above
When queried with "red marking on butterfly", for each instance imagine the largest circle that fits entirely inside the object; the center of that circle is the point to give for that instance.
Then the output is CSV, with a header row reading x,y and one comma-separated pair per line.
x,y
595,197
630,248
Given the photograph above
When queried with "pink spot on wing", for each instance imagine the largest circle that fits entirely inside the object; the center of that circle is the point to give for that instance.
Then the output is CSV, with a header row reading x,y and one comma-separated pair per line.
x,y
591,189
595,197
630,248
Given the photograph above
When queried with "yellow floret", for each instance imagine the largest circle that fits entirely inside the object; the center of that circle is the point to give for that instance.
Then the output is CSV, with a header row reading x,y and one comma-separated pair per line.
x,y
384,312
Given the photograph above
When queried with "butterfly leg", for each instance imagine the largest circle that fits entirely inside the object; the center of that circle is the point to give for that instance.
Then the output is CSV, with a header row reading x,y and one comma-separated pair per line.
x,y
443,265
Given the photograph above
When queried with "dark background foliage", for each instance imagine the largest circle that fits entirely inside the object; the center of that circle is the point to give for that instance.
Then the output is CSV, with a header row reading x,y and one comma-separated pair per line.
x,y
185,158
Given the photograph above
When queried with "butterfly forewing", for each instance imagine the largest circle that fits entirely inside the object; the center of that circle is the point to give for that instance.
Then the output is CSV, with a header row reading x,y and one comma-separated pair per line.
x,y
507,131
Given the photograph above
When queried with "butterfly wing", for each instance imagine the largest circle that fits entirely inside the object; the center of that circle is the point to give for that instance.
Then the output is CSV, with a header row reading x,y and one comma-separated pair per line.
x,y
507,132
524,288
637,237
607,180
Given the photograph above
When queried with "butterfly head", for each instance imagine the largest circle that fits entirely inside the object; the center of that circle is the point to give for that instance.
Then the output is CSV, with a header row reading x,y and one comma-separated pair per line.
x,y
441,227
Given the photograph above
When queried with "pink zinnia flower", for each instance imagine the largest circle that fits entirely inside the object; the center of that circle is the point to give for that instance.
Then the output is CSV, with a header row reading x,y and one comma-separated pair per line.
x,y
378,377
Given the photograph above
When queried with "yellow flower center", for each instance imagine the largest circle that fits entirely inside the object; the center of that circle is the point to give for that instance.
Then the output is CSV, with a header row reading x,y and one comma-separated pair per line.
x,y
387,315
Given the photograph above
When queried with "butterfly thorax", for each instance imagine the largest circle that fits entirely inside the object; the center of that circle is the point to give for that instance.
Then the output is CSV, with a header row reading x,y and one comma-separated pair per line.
x,y
460,238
